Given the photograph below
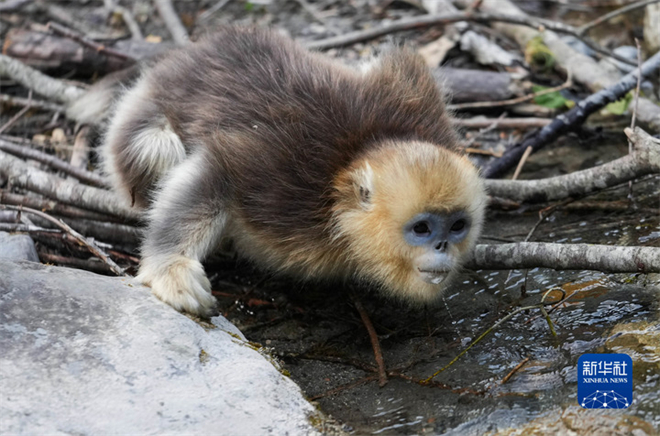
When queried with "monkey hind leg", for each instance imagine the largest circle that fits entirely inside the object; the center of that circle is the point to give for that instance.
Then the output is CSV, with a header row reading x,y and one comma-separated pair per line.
x,y
139,146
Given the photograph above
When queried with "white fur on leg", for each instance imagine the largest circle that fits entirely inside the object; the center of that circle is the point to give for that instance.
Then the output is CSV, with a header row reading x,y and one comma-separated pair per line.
x,y
180,282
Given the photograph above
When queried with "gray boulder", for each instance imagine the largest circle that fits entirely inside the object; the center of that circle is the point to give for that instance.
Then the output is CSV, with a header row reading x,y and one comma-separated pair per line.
x,y
17,247
88,354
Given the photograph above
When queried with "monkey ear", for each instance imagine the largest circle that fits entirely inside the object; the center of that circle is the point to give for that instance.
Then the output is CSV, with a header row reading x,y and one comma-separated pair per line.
x,y
363,183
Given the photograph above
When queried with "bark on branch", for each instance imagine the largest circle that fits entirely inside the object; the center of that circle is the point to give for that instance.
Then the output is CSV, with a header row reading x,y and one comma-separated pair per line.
x,y
644,160
606,258
573,118
86,197
38,82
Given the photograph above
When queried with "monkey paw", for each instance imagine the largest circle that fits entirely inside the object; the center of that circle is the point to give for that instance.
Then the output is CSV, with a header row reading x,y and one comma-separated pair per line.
x,y
180,282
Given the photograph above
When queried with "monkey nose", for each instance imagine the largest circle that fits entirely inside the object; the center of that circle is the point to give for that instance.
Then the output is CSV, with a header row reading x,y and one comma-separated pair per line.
x,y
441,246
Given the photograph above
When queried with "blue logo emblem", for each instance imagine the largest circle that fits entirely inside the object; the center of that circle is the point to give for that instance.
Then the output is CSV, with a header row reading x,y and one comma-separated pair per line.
x,y
605,381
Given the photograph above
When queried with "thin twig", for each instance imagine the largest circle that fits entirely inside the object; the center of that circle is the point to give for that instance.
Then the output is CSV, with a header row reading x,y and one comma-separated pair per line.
x,y
46,205
34,104
435,20
91,246
514,370
172,21
375,343
631,7
634,114
68,33
55,162
524,98
210,11
18,115
127,17
521,164
506,123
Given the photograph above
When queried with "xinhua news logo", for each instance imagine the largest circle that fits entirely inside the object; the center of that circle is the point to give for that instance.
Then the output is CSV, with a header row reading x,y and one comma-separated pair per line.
x,y
605,381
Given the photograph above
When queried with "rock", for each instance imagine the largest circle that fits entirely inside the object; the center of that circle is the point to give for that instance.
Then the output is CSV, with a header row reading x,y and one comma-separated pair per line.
x,y
17,247
87,354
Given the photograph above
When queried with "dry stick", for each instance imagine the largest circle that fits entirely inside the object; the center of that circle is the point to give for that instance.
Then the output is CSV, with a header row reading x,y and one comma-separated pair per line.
x,y
442,19
127,17
375,343
10,6
631,7
18,115
524,98
514,370
521,164
172,21
605,258
573,118
506,123
38,82
634,114
34,104
79,38
74,262
45,205
86,197
91,246
53,161
25,228
212,10
643,161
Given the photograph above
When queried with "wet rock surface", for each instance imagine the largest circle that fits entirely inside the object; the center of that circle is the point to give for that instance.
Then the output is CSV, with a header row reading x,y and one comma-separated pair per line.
x,y
87,354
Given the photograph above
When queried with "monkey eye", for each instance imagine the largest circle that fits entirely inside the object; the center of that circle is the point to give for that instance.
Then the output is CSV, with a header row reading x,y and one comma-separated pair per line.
x,y
422,228
458,225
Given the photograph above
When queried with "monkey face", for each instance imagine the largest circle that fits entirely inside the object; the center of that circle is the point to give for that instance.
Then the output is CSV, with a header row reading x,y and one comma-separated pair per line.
x,y
437,235
411,214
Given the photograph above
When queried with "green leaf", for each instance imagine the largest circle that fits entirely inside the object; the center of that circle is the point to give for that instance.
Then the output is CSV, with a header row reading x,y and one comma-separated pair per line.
x,y
552,100
620,106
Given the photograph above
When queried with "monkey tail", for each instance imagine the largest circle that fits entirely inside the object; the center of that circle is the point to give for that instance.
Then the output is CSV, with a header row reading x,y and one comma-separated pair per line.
x,y
94,107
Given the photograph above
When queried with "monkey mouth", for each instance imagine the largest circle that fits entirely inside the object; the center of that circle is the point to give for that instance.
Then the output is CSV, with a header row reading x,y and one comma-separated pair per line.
x,y
434,277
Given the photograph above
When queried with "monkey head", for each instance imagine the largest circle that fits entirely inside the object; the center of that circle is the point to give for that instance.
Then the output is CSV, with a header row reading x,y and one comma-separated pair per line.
x,y
409,214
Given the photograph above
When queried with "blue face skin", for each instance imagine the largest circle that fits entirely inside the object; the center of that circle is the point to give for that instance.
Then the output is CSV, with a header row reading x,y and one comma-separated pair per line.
x,y
435,232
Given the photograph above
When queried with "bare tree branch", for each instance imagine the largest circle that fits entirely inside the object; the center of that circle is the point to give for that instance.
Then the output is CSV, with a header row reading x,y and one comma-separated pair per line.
x,y
172,21
53,161
91,246
644,160
86,197
573,118
425,21
38,82
606,258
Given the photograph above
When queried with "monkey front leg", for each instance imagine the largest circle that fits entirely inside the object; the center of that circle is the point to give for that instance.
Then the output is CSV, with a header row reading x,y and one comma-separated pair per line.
x,y
186,221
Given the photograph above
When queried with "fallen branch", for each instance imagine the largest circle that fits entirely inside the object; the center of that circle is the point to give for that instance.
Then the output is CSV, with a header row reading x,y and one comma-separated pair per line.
x,y
573,118
54,162
425,21
38,82
605,258
79,38
172,21
504,123
91,246
86,197
644,160
34,104
46,205
622,10
73,262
